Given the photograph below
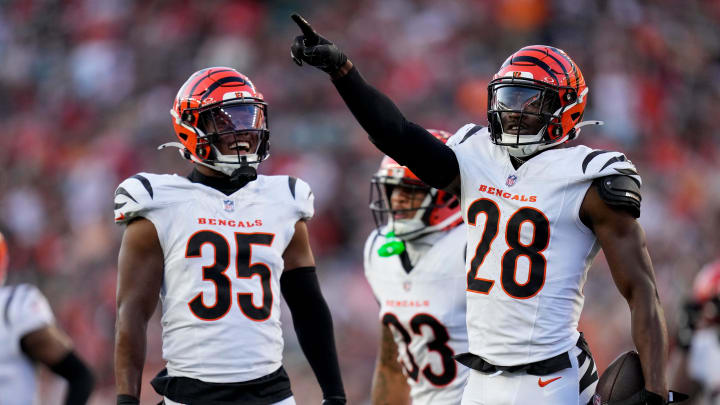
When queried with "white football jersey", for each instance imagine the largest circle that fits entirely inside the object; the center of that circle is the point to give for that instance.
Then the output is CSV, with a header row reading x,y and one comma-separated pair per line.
x,y
23,309
425,310
223,260
703,360
528,251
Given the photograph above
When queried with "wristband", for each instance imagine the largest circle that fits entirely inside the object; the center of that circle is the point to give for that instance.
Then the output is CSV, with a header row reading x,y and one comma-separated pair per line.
x,y
123,399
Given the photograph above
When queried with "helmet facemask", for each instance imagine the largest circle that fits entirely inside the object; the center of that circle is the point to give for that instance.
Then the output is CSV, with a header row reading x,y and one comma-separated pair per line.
x,y
233,134
524,116
404,223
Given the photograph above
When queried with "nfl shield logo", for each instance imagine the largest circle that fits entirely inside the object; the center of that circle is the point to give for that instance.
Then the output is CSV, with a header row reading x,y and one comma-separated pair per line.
x,y
596,400
229,205
511,180
407,285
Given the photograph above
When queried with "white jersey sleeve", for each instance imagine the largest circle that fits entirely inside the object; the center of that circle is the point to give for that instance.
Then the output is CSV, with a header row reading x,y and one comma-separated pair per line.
x,y
303,197
23,310
135,197
28,310
601,163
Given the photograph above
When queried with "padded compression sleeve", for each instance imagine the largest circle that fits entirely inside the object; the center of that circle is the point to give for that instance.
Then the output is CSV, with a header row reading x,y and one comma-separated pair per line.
x,y
79,377
313,327
406,142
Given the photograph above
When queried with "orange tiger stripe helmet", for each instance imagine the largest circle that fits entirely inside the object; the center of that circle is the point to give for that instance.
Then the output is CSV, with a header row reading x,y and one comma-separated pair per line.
x,y
4,259
439,209
536,100
217,102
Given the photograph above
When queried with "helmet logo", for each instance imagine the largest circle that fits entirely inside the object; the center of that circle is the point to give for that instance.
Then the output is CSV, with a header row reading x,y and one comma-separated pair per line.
x,y
208,100
237,94
517,75
511,180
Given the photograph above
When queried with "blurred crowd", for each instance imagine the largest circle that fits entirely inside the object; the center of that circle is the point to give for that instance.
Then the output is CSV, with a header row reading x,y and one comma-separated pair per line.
x,y
87,86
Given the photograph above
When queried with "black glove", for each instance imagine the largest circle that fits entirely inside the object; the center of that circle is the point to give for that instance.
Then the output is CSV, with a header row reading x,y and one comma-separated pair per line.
x,y
123,399
334,401
314,49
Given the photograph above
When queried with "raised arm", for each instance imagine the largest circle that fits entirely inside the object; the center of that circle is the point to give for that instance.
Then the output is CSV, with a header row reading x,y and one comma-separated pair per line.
x,y
311,316
406,142
140,274
623,241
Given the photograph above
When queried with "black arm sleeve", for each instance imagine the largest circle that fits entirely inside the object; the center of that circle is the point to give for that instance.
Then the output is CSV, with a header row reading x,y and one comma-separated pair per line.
x,y
313,327
79,377
406,142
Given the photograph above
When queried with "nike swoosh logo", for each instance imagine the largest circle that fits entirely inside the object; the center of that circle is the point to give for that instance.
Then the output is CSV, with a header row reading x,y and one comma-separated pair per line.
x,y
544,383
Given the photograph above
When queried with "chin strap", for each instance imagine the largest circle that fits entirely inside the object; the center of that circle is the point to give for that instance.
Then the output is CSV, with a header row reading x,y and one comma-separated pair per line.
x,y
242,175
585,123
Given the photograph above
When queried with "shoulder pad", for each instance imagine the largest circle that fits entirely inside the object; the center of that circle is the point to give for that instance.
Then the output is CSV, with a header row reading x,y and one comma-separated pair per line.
x,y
133,197
620,191
303,196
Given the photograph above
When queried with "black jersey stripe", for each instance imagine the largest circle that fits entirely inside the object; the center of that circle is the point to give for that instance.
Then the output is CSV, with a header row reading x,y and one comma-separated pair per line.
x,y
118,206
590,375
122,191
292,182
544,66
588,378
471,132
616,159
6,311
627,172
145,182
591,156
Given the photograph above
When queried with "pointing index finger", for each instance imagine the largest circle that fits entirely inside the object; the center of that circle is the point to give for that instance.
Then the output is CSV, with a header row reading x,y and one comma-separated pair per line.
x,y
309,33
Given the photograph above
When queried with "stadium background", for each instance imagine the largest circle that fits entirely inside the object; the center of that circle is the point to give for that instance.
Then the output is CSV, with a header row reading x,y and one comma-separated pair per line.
x,y
87,85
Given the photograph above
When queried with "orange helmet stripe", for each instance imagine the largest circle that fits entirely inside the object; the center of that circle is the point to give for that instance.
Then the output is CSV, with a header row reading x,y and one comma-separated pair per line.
x,y
204,74
546,52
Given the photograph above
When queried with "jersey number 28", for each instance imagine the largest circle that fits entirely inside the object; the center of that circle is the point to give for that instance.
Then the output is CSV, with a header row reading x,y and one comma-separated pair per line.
x,y
516,249
216,274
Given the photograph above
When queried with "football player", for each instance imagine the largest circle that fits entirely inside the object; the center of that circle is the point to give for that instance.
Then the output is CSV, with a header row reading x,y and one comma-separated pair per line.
x,y
537,214
29,335
414,262
217,248
696,361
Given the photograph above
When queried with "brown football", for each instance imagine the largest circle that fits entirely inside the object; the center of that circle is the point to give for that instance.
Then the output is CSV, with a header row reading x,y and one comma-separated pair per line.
x,y
622,378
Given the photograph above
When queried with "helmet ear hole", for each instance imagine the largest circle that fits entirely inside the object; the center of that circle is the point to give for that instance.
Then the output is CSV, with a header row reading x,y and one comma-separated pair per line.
x,y
202,151
556,131
570,96
187,117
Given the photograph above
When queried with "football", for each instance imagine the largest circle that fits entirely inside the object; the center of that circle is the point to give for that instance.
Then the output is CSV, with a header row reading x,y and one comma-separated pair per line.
x,y
621,379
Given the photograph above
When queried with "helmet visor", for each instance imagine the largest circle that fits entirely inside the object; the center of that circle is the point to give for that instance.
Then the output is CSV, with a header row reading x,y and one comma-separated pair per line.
x,y
523,99
230,118
523,110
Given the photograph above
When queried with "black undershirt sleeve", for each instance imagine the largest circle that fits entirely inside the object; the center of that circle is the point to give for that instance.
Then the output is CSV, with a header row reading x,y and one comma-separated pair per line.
x,y
79,377
314,328
406,142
